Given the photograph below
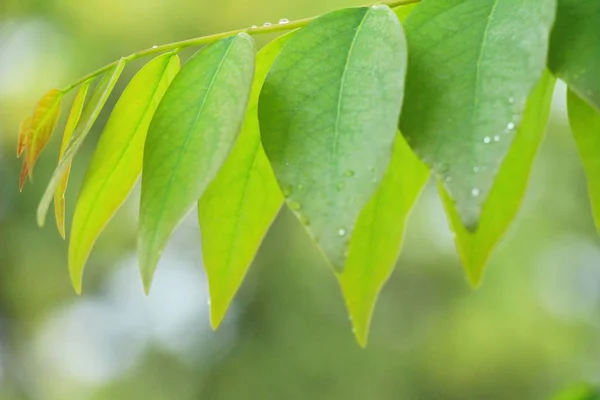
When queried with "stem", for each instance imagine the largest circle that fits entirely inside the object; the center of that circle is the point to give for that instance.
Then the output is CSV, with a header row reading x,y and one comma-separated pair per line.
x,y
203,40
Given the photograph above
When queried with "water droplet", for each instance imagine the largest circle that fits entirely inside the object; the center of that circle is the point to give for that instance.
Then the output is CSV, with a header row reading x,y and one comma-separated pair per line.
x,y
510,126
340,186
349,173
287,190
267,24
155,47
511,100
208,302
294,206
284,21
342,232
304,219
487,139
476,169
496,138
254,26
475,192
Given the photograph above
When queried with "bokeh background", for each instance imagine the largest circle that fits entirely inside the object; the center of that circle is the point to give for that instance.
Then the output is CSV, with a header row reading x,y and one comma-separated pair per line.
x,y
530,330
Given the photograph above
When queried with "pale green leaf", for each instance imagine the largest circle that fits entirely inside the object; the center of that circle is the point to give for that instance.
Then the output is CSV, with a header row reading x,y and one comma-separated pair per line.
x,y
472,65
575,48
189,138
117,161
377,238
88,118
240,204
585,124
509,187
328,114
72,121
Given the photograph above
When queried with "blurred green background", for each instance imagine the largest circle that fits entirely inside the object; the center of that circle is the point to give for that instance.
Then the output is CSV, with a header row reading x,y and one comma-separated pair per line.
x,y
529,331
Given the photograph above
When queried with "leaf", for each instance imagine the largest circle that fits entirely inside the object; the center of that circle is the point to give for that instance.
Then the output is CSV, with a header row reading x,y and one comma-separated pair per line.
x,y
24,174
189,138
580,391
328,113
403,12
377,238
23,134
240,204
509,187
72,121
88,117
585,124
574,51
43,122
117,161
472,65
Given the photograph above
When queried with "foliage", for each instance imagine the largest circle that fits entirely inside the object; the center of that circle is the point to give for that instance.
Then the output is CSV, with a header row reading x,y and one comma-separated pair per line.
x,y
314,119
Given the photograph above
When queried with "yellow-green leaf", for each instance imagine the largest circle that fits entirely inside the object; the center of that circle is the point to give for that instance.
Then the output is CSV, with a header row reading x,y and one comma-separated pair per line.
x,y
117,161
23,134
72,121
88,118
377,238
239,206
585,124
43,123
190,137
508,188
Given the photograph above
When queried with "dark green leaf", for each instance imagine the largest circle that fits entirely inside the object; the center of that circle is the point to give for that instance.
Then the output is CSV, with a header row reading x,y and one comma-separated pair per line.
x,y
88,117
575,48
189,138
378,235
585,123
508,190
472,65
328,114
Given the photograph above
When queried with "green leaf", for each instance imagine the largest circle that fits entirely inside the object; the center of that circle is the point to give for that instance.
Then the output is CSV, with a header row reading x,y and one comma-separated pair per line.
x,y
574,48
117,162
403,12
509,187
72,121
328,114
240,204
42,125
585,124
581,391
23,135
189,138
88,117
377,238
472,65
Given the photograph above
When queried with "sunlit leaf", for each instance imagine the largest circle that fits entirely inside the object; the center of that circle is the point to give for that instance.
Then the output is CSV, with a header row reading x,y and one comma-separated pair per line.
x,y
117,161
23,135
403,12
509,187
328,114
24,174
88,117
585,124
240,204
72,121
377,238
43,122
575,48
192,133
581,391
472,65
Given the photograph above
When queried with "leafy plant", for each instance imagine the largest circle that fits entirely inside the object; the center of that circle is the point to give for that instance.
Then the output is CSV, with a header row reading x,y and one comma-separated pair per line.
x,y
342,120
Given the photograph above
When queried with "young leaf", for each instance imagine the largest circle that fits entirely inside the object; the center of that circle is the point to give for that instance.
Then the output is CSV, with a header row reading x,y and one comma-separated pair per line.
x,y
378,235
240,204
585,124
189,138
23,134
24,174
117,160
403,12
575,48
89,115
72,121
470,73
328,113
509,187
43,122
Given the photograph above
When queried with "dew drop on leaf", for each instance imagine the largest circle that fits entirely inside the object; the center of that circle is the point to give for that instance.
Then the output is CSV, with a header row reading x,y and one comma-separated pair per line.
x,y
284,21
496,138
476,169
510,126
342,232
267,24
487,139
475,192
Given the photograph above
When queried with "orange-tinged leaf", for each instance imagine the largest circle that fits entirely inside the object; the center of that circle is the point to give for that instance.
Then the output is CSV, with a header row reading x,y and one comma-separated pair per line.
x,y
23,133
43,122
72,121
24,173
